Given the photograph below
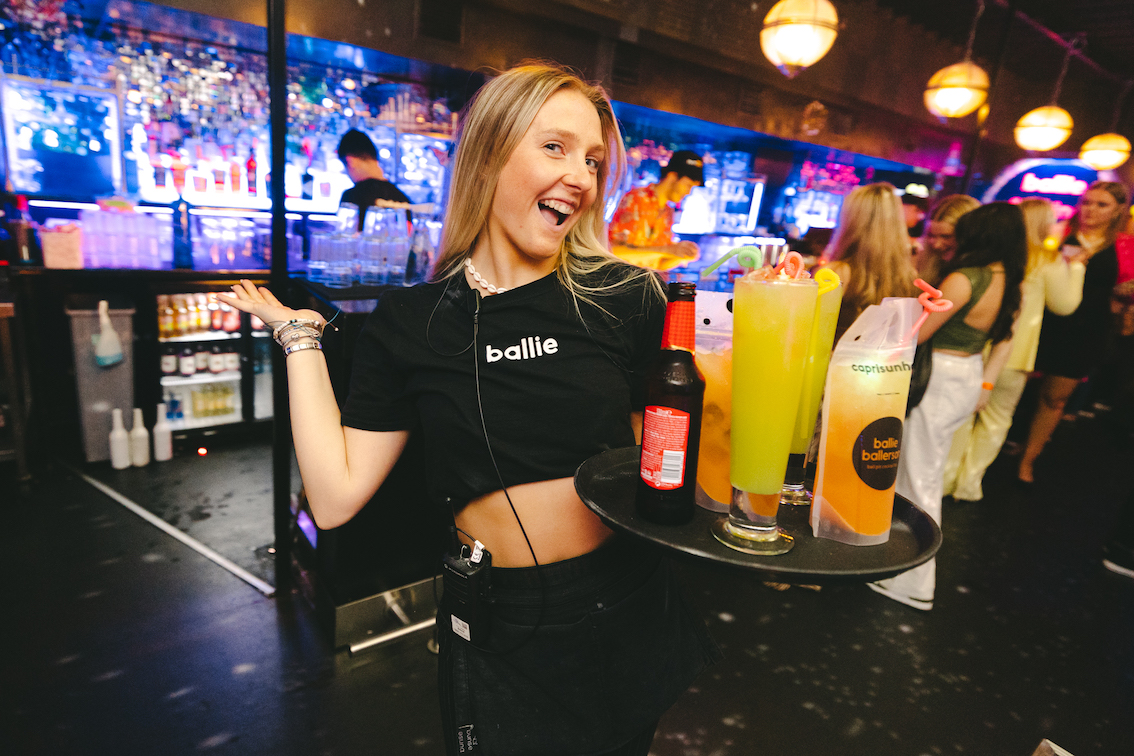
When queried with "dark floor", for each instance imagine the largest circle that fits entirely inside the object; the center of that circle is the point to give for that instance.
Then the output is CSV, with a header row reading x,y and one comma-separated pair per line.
x,y
124,641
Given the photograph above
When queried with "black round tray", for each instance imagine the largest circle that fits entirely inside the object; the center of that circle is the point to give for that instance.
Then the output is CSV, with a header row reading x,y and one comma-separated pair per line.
x,y
607,483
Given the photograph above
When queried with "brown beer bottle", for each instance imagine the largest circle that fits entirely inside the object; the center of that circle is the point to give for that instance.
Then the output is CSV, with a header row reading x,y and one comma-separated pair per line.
x,y
671,429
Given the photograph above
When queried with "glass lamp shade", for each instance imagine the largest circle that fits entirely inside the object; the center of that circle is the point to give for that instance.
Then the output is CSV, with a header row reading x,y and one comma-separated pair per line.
x,y
1105,151
956,90
1044,128
797,33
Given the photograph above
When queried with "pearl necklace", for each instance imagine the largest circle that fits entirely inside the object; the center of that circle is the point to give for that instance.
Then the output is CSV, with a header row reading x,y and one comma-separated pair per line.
x,y
480,280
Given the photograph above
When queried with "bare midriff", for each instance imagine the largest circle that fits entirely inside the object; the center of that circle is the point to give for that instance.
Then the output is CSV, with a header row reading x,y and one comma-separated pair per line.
x,y
559,525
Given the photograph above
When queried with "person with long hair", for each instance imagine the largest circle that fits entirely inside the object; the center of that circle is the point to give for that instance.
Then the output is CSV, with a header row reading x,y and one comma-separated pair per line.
x,y
1072,346
1050,281
588,639
870,251
983,283
940,242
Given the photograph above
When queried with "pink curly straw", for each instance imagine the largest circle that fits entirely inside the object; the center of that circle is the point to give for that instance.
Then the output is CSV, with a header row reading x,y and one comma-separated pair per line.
x,y
931,301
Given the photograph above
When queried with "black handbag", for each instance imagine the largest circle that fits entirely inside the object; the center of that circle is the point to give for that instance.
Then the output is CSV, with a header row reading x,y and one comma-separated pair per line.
x,y
919,374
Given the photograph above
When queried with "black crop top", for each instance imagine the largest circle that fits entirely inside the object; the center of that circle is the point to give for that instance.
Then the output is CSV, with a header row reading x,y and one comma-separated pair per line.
x,y
554,393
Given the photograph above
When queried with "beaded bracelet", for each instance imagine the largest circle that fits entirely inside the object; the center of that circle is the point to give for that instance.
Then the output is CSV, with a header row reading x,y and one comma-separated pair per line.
x,y
316,326
300,347
288,333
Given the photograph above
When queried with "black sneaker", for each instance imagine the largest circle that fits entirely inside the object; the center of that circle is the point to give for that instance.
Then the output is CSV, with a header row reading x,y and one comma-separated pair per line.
x,y
1119,559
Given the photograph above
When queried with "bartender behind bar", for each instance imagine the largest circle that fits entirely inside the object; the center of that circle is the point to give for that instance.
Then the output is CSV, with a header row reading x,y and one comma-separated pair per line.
x,y
641,230
360,158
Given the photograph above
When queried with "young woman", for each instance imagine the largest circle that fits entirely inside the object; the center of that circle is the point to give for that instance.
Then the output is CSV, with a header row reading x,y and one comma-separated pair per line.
x,y
1072,346
870,251
589,639
983,283
940,243
1051,281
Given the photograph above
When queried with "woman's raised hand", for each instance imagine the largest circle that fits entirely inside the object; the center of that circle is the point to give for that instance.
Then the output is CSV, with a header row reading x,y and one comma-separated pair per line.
x,y
260,302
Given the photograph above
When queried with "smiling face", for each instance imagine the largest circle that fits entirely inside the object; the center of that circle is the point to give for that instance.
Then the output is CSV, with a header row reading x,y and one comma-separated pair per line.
x,y
548,183
1097,210
941,240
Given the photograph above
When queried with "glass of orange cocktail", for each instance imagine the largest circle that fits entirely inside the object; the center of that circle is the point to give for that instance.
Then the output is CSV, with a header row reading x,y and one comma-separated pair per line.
x,y
772,318
714,358
815,376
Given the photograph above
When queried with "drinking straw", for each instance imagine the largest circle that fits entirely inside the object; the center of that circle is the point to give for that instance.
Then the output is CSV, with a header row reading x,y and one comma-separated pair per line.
x,y
791,265
827,279
931,301
748,256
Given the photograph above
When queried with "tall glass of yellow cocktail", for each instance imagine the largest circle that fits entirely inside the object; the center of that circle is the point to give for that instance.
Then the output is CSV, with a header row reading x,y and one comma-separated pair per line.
x,y
815,376
772,319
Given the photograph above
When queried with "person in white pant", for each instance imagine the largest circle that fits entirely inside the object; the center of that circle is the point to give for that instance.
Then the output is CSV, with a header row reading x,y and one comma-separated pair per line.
x,y
1052,281
983,282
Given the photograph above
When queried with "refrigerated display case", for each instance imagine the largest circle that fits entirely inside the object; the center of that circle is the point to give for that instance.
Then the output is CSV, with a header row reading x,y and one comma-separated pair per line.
x,y
214,363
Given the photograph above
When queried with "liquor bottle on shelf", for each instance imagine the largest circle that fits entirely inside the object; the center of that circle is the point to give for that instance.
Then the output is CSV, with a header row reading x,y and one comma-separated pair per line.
x,y
169,361
204,317
187,363
192,318
231,322
201,358
181,316
216,360
167,318
234,175
250,167
671,429
231,358
216,314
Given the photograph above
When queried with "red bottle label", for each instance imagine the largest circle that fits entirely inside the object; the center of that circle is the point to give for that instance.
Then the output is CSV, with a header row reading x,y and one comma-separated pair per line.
x,y
679,331
665,441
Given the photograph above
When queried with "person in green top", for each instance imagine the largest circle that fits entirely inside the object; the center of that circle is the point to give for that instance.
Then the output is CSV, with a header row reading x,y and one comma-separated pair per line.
x,y
983,283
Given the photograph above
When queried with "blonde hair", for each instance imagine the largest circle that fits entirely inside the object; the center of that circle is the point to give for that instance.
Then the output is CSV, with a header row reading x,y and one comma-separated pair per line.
x,y
947,210
492,126
1039,217
950,208
871,240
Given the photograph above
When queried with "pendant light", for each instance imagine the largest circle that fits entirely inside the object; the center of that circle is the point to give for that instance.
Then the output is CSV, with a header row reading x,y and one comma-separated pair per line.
x,y
1048,127
959,89
797,33
1106,152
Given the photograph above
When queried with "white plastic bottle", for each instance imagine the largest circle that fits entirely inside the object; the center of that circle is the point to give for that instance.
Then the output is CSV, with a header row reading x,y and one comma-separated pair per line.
x,y
139,441
119,442
108,350
163,438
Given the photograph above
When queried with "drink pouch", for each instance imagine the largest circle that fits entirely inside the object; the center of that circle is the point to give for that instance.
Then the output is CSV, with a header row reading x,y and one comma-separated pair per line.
x,y
860,440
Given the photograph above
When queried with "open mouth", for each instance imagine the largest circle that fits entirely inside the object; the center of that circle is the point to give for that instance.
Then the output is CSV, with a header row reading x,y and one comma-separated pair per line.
x,y
555,211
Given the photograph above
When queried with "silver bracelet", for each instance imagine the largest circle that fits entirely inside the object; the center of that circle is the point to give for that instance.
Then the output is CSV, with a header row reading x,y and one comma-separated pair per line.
x,y
300,347
316,326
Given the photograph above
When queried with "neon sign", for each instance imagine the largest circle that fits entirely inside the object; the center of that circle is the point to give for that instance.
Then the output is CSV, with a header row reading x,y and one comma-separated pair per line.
x,y
1061,183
